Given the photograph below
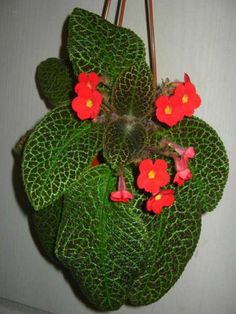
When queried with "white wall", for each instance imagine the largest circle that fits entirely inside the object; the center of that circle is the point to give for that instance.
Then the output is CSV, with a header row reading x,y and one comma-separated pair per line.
x,y
198,37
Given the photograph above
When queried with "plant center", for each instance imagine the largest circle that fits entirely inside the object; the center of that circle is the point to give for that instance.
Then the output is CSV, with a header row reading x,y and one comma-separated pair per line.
x,y
151,174
185,99
158,197
89,103
168,109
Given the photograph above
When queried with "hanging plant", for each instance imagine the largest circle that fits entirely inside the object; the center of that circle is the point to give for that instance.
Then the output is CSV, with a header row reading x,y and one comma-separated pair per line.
x,y
120,172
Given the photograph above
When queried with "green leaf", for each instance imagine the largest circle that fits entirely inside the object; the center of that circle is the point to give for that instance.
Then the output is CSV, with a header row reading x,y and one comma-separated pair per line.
x,y
59,148
101,242
210,165
95,44
133,91
123,141
173,236
55,81
46,224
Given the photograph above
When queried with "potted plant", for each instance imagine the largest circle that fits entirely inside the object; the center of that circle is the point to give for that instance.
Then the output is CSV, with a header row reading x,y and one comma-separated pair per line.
x,y
119,172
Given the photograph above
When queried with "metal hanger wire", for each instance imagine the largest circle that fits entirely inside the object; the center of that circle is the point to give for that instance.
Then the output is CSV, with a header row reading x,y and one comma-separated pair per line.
x,y
150,28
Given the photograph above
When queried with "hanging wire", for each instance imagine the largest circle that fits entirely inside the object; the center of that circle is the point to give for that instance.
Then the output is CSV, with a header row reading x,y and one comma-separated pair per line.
x,y
151,39
150,29
121,11
106,9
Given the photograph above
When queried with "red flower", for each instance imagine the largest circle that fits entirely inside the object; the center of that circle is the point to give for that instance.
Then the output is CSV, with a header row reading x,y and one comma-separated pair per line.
x,y
158,201
90,80
181,163
87,104
182,176
122,195
169,110
153,176
183,172
187,96
186,152
183,102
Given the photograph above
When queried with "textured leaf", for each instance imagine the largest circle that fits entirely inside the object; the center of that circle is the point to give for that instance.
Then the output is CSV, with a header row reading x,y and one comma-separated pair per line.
x,y
173,236
95,44
103,243
123,141
133,91
55,81
209,166
56,152
46,224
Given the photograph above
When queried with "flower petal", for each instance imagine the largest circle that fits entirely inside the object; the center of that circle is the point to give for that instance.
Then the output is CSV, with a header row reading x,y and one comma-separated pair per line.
x,y
160,165
145,165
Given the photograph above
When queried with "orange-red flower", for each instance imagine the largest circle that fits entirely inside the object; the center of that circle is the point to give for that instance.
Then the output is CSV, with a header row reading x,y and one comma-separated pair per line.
x,y
158,201
183,102
90,80
185,152
186,96
88,100
183,172
168,110
181,159
122,195
153,176
87,104
182,175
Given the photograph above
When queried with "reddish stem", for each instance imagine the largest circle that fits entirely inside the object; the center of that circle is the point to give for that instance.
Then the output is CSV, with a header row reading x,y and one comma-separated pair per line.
x,y
121,12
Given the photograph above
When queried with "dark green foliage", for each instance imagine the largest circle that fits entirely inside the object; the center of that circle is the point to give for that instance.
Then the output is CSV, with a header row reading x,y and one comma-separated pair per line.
x,y
117,252
95,44
102,243
209,167
46,224
123,141
55,153
173,236
55,81
133,92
